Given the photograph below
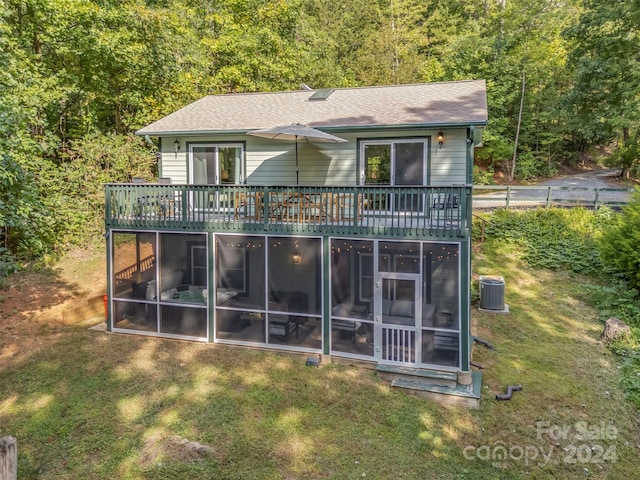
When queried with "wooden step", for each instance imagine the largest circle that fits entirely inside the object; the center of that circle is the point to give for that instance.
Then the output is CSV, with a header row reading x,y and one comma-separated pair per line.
x,y
461,395
433,377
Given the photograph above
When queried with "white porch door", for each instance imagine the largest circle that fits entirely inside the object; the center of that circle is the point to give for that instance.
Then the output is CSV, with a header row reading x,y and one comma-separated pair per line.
x,y
396,321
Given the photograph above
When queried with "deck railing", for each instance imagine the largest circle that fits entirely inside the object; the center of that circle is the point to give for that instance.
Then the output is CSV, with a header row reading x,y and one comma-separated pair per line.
x,y
394,211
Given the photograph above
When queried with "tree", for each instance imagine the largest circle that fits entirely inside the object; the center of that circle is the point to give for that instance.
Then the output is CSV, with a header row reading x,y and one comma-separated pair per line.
x,y
620,244
505,42
605,98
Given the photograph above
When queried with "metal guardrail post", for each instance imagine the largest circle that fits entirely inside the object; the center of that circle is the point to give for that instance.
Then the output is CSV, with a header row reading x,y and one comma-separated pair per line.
x,y
548,197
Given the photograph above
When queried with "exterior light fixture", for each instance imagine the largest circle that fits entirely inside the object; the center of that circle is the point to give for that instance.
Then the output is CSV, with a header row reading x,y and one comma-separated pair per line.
x,y
440,139
296,258
176,146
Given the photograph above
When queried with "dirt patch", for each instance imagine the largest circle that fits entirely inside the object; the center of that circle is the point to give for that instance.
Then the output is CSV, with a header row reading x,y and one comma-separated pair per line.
x,y
161,447
32,303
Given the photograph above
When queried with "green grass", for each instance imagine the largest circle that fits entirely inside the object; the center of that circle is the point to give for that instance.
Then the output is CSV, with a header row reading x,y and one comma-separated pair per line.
x,y
91,405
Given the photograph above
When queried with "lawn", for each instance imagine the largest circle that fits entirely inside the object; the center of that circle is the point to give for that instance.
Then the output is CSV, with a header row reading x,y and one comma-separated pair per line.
x,y
93,405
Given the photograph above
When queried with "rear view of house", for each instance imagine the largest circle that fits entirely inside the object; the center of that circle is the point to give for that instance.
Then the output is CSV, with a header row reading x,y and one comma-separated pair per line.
x,y
356,247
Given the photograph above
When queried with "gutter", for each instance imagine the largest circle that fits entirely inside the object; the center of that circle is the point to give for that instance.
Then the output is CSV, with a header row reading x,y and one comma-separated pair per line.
x,y
354,128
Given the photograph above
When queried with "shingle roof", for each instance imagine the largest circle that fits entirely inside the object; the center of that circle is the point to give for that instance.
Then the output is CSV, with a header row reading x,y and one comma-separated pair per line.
x,y
437,104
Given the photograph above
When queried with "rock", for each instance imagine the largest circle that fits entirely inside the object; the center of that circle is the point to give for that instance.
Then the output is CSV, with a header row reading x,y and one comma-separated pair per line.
x,y
159,448
614,328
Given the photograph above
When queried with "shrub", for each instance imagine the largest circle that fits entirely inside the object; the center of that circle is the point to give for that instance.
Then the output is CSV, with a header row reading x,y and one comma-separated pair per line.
x,y
553,238
620,243
531,166
481,177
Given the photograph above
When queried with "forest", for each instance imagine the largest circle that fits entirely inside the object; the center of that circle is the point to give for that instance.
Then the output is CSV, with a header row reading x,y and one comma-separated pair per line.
x,y
78,77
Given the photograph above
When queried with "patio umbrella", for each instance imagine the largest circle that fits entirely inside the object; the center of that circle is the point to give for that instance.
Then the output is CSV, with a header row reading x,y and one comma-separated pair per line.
x,y
296,132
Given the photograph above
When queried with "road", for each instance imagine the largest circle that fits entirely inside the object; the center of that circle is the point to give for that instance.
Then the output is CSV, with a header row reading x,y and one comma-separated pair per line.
x,y
571,189
593,178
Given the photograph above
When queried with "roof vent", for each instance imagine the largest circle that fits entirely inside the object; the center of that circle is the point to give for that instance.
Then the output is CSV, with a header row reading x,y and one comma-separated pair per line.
x,y
322,94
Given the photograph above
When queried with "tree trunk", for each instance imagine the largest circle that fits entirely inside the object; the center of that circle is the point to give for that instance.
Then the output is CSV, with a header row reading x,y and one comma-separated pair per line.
x,y
8,458
625,173
512,172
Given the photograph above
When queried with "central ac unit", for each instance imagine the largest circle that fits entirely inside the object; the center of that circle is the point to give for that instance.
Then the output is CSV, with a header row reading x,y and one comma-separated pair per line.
x,y
491,293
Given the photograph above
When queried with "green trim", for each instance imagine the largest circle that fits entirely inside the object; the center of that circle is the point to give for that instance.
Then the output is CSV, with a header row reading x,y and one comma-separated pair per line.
x,y
326,300
465,306
108,241
211,282
470,151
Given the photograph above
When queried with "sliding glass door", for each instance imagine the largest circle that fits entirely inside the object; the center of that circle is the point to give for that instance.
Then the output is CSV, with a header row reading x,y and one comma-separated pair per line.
x,y
394,163
215,164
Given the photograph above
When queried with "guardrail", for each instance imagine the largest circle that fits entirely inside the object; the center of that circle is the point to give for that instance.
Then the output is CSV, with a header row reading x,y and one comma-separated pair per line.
x,y
500,196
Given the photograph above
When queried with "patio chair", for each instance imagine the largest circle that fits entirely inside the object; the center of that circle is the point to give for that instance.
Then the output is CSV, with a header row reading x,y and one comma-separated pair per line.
x,y
444,208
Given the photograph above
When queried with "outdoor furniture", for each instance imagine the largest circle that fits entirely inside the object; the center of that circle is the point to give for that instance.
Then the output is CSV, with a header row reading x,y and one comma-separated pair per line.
x,y
283,326
160,204
243,202
444,207
305,207
345,206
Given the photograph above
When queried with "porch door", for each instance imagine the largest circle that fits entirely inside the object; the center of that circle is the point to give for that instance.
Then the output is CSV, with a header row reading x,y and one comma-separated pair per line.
x,y
397,311
215,165
398,163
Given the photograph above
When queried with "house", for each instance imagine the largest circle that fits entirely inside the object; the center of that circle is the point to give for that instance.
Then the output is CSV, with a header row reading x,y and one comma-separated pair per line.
x,y
357,250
